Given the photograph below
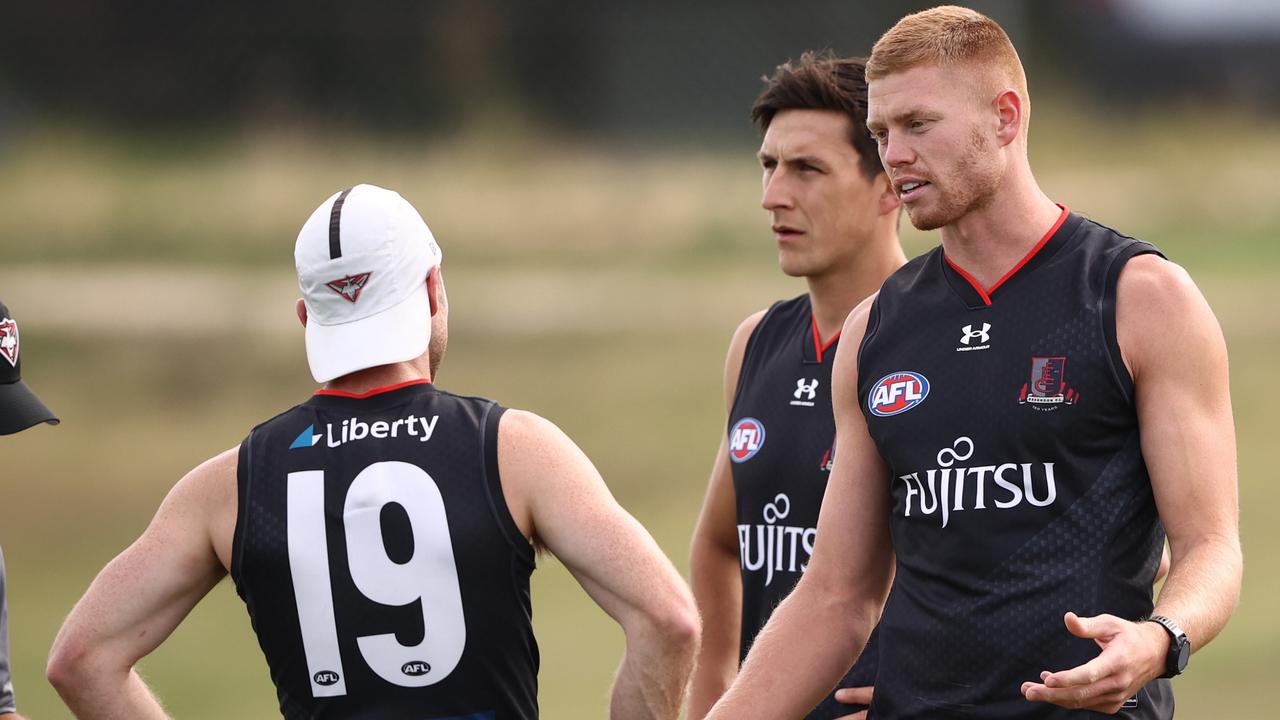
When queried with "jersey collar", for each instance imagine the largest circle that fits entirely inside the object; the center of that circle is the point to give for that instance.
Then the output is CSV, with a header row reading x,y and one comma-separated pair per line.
x,y
977,297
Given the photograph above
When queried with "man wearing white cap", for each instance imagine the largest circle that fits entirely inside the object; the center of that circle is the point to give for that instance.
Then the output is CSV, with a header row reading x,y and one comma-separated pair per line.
x,y
382,533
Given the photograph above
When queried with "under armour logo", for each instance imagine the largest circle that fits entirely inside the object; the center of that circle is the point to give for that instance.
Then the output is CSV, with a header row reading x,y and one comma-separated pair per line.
x,y
982,335
807,389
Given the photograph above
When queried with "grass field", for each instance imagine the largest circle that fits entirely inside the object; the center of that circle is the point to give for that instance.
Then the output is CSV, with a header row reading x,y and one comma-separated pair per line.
x,y
597,289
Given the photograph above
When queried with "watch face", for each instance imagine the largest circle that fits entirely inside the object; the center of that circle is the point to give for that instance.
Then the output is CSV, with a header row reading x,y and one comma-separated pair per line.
x,y
1184,654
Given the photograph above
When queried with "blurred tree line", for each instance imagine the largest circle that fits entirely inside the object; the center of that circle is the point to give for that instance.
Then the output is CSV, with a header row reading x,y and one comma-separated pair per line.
x,y
616,69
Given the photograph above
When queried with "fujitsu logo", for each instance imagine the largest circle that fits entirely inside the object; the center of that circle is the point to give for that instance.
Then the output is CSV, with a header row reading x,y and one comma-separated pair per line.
x,y
772,547
949,489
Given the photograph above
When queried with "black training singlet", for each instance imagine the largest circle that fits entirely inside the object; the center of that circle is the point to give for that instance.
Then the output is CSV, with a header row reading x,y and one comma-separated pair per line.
x,y
781,441
383,574
1019,491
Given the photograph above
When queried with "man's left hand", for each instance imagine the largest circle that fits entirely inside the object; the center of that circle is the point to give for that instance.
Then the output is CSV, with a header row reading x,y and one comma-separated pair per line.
x,y
854,696
1132,655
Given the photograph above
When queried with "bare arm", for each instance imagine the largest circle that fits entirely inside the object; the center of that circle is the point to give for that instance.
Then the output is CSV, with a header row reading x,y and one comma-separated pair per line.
x,y
1176,354
570,511
817,632
141,596
713,561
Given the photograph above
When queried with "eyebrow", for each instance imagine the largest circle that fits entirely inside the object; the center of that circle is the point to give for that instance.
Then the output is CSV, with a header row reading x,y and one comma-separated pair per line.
x,y
795,159
903,116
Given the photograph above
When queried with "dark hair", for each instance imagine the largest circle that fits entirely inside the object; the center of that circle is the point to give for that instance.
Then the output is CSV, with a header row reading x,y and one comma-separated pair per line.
x,y
822,81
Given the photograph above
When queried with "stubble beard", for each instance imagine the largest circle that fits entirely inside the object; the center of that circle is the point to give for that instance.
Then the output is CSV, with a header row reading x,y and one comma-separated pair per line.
x,y
436,348
971,186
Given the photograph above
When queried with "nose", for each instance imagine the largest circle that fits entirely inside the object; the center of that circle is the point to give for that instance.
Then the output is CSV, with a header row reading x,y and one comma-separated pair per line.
x,y
895,152
777,191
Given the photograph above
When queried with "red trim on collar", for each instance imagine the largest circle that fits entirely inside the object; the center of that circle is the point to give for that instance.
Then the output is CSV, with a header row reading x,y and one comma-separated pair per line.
x,y
986,294
819,346
375,391
972,281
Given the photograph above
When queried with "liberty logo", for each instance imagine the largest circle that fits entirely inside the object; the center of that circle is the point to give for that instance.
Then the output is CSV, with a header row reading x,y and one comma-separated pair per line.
x,y
350,286
949,489
772,547
982,335
805,392
9,340
306,438
353,429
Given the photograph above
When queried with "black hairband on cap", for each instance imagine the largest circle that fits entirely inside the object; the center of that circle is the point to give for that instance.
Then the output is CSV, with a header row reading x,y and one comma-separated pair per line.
x,y
335,226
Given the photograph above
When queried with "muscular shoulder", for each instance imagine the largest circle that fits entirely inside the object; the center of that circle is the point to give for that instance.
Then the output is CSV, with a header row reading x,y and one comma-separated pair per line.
x,y
738,345
206,497
1159,310
1152,282
520,431
214,480
737,354
855,324
533,453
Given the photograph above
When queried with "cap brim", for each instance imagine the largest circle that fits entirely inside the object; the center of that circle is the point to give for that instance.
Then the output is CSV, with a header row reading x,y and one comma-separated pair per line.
x,y
20,409
399,333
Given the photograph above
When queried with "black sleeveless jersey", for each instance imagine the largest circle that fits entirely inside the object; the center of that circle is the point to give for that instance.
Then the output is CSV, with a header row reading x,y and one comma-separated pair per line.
x,y
781,440
383,574
1019,491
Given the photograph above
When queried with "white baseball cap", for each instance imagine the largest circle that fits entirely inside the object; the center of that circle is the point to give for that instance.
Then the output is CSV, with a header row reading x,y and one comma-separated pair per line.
x,y
362,259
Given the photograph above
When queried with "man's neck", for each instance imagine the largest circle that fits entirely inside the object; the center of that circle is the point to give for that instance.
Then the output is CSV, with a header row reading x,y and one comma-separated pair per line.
x,y
362,381
990,241
835,294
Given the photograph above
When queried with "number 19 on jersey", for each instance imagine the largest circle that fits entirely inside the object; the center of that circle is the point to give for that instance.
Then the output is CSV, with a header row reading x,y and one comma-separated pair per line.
x,y
429,576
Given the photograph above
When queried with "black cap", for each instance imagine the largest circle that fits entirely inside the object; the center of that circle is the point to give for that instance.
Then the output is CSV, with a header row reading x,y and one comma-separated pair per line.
x,y
19,407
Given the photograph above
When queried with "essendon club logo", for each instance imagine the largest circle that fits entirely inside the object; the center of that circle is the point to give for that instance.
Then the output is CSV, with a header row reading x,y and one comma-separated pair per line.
x,y
1047,386
9,340
350,286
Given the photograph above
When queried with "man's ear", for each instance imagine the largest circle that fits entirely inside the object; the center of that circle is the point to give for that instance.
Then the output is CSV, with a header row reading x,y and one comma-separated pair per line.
x,y
434,288
301,308
1009,107
888,200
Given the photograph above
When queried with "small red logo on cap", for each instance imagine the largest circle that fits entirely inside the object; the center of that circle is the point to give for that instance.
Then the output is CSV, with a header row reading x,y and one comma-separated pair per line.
x,y
350,286
9,340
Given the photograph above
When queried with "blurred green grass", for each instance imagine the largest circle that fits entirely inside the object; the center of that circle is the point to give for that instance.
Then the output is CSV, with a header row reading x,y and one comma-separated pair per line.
x,y
596,288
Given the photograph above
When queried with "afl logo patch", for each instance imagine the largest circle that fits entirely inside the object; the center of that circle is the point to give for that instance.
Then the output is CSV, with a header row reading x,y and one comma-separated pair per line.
x,y
746,439
897,393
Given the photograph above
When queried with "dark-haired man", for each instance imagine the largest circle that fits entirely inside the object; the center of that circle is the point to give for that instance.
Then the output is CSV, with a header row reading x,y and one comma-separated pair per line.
x,y
1023,412
834,220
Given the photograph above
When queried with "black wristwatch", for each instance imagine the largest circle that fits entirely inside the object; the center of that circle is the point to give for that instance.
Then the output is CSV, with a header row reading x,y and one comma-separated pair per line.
x,y
1179,646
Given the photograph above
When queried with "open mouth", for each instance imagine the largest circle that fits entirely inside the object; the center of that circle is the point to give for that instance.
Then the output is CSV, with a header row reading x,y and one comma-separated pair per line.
x,y
912,190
